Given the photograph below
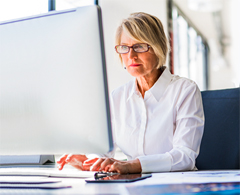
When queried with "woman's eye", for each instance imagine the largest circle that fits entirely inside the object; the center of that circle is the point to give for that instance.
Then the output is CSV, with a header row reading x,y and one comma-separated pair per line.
x,y
124,47
138,47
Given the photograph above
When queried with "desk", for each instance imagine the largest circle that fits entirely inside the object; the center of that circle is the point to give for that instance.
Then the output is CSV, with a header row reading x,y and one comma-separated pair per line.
x,y
159,183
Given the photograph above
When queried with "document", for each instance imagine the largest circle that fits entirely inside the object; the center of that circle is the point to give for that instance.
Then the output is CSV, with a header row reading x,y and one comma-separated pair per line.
x,y
31,182
46,172
27,180
36,186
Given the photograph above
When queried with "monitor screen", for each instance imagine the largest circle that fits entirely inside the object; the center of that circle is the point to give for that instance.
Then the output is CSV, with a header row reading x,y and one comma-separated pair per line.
x,y
53,84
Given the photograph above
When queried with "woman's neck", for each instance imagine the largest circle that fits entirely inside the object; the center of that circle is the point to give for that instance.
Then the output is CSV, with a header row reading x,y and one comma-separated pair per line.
x,y
145,82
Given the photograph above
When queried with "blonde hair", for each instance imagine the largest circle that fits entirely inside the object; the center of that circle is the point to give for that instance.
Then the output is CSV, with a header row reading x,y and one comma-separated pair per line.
x,y
148,29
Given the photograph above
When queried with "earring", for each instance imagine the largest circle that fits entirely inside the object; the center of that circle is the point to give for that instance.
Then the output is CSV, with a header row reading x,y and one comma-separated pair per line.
x,y
124,67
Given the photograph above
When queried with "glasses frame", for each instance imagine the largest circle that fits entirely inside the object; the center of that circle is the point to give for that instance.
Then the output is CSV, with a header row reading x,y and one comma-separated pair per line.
x,y
148,46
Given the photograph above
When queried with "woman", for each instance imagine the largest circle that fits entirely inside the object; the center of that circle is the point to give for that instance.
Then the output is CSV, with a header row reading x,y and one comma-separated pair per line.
x,y
157,117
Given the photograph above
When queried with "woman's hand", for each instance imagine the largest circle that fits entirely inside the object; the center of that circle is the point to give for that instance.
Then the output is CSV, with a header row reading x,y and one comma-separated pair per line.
x,y
76,160
113,165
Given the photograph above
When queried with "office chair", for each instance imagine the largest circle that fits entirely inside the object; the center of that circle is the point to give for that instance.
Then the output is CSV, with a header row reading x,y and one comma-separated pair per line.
x,y
220,143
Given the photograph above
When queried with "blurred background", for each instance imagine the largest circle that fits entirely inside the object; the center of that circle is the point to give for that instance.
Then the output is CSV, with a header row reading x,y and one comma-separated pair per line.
x,y
204,34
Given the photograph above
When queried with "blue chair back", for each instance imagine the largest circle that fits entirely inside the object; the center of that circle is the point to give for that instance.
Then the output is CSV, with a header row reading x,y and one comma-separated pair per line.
x,y
220,144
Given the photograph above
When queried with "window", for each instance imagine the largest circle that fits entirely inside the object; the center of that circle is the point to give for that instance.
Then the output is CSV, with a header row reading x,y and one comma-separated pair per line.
x,y
189,50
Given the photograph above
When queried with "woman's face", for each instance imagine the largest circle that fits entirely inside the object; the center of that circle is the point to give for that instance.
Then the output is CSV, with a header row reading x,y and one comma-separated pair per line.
x,y
138,64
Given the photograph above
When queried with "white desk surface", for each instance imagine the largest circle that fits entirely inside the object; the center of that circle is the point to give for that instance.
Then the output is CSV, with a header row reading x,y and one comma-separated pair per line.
x,y
79,186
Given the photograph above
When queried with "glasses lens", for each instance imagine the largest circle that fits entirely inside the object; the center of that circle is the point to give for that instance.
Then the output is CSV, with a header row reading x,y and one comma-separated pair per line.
x,y
142,47
122,49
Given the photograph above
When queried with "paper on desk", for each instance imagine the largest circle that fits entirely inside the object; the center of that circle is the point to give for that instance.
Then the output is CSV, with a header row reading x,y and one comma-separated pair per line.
x,y
46,172
27,180
191,177
36,186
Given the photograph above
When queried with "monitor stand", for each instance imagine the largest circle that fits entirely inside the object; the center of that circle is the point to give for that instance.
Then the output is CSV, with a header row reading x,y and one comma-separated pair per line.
x,y
26,159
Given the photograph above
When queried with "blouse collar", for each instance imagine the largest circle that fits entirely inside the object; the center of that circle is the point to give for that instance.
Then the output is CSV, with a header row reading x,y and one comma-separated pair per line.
x,y
158,89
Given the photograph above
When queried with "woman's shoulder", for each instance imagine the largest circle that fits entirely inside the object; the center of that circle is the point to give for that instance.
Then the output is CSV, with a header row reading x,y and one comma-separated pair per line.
x,y
182,88
176,82
182,82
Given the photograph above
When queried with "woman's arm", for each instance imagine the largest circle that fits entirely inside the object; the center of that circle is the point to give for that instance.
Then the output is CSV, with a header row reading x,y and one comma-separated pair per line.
x,y
187,136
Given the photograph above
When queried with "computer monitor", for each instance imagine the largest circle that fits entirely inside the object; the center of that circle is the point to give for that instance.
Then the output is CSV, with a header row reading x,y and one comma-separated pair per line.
x,y
53,84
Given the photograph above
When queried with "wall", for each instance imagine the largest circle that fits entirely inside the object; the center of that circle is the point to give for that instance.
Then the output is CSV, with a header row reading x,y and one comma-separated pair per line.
x,y
113,11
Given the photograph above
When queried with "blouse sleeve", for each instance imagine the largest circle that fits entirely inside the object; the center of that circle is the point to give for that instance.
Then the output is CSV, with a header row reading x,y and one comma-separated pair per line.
x,y
187,136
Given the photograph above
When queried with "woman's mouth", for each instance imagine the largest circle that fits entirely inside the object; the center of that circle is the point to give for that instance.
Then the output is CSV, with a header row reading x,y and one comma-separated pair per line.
x,y
134,65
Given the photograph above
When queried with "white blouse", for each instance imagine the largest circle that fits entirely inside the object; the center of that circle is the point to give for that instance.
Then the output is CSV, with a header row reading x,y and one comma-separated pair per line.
x,y
164,129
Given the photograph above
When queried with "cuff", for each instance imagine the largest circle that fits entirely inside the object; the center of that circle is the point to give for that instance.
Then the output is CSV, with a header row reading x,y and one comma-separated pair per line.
x,y
156,163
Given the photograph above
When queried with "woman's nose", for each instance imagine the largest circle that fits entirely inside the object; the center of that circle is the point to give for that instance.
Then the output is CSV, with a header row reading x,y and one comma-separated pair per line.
x,y
132,54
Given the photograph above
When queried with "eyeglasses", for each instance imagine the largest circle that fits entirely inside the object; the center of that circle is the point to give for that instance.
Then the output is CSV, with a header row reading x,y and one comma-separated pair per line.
x,y
138,48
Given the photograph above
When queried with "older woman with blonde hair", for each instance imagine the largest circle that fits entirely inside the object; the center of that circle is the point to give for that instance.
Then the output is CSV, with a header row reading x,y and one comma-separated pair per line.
x,y
157,118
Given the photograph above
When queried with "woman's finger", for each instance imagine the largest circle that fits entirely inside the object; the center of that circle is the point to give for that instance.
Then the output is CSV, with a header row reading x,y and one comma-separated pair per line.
x,y
97,165
62,158
106,169
119,167
90,161
61,165
69,158
106,162
61,162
